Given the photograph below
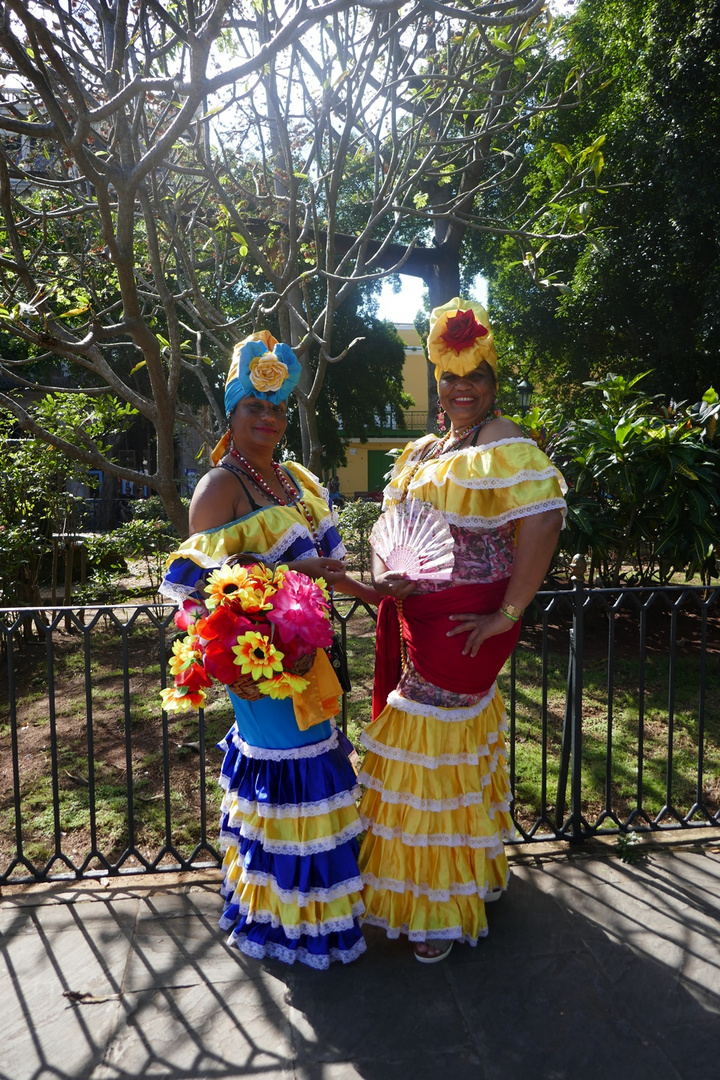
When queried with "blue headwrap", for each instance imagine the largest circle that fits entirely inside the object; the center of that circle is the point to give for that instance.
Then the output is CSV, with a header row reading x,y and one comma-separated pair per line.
x,y
263,368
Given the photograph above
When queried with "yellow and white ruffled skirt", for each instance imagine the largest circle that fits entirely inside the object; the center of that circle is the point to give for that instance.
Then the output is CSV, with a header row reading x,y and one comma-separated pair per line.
x,y
436,810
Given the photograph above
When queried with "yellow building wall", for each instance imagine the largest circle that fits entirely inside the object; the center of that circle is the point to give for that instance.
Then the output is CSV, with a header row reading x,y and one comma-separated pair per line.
x,y
357,476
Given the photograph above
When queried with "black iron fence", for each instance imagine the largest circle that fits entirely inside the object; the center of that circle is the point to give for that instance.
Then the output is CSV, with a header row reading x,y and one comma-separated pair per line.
x,y
613,701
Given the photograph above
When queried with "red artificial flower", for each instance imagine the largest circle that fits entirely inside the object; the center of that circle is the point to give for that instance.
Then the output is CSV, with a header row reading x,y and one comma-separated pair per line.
x,y
224,625
193,677
219,662
463,330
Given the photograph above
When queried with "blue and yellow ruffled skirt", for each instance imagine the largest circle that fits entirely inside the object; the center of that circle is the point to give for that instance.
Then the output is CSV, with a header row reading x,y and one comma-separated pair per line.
x,y
289,828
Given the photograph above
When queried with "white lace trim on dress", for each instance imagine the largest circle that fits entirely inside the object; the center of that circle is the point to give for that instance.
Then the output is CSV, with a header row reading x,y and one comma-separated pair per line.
x,y
300,929
475,522
433,806
289,956
431,839
427,761
301,847
489,483
299,531
453,933
264,753
464,888
295,896
177,593
234,807
437,712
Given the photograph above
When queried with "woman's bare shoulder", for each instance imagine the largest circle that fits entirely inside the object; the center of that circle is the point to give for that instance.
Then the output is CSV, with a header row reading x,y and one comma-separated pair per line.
x,y
218,499
501,427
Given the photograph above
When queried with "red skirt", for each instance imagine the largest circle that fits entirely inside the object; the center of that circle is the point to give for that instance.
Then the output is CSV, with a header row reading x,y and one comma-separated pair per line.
x,y
437,658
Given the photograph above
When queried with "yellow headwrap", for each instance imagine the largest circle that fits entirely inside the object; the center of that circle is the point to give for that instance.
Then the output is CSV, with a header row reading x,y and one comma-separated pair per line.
x,y
460,338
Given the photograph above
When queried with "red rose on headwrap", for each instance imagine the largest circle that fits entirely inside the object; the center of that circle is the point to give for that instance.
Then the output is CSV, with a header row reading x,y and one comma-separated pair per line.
x,y
463,330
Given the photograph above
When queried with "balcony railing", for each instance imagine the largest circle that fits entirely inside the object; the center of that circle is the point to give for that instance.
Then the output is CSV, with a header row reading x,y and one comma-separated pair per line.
x,y
613,726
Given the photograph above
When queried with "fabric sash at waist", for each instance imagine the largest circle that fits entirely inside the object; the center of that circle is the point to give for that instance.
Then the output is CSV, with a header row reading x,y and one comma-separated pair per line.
x,y
437,658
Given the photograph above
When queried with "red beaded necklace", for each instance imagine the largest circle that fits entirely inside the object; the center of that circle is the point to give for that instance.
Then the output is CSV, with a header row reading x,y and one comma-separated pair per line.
x,y
292,497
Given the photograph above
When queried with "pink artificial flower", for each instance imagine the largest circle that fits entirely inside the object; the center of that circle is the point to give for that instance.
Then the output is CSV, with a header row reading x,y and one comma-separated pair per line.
x,y
299,610
188,612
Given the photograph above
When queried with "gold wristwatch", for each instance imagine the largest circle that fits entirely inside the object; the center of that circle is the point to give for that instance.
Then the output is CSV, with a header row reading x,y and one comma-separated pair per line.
x,y
512,611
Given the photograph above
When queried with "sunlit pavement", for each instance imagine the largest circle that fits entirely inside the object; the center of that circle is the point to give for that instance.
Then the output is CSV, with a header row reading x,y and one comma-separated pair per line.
x,y
593,968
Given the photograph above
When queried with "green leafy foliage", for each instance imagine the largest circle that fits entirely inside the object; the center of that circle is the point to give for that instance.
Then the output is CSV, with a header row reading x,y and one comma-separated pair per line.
x,y
643,288
643,483
356,521
35,502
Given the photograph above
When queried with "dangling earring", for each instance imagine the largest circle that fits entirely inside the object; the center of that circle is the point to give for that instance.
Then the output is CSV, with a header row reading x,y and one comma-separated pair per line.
x,y
231,441
441,418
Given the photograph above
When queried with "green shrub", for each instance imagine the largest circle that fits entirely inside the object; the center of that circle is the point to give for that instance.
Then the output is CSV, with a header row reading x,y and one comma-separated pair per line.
x,y
356,521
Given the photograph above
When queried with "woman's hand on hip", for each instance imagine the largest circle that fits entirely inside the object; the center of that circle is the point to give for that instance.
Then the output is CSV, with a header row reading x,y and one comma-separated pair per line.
x,y
478,629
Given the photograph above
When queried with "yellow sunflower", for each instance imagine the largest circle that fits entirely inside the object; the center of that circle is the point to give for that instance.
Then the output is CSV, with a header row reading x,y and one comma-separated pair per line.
x,y
283,685
323,587
182,699
224,584
257,656
186,651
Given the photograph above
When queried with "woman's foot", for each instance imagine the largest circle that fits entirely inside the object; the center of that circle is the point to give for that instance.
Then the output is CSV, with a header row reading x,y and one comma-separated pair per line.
x,y
431,952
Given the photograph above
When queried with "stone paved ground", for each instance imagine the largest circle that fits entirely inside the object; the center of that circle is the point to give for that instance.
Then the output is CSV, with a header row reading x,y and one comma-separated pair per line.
x,y
593,969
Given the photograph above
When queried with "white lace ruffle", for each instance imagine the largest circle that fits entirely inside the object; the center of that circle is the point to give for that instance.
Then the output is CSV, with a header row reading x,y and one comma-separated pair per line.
x,y
289,956
427,761
264,753
437,712
490,483
295,896
301,929
439,896
177,593
299,531
302,847
435,806
235,807
475,522
433,839
452,933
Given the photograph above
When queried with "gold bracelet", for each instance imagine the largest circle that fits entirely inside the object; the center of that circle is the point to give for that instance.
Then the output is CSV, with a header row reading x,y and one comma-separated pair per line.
x,y
511,611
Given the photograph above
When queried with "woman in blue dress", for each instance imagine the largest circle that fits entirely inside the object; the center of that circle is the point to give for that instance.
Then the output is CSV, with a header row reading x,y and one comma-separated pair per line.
x,y
289,817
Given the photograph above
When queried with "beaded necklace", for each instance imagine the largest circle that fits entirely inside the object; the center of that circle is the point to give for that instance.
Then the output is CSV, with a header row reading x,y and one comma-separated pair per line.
x,y
445,445
451,441
292,498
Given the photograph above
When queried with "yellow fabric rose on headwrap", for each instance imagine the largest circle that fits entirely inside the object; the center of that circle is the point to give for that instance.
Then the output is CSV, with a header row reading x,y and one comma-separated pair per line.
x,y
262,367
460,338
267,373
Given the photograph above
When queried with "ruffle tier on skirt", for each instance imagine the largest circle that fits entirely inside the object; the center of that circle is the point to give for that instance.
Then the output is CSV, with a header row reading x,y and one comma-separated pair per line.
x,y
436,809
288,827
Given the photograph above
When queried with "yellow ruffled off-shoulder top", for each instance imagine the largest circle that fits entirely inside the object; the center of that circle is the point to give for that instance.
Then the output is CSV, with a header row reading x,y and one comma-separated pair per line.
x,y
479,487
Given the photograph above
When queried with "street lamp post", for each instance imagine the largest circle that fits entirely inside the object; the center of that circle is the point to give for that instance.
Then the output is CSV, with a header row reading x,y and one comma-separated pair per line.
x,y
525,391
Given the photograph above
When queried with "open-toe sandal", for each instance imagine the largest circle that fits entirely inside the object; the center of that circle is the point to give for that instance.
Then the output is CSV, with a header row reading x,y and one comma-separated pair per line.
x,y
441,949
